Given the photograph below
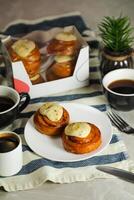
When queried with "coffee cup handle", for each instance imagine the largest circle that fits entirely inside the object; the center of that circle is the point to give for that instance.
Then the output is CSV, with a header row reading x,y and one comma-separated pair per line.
x,y
24,103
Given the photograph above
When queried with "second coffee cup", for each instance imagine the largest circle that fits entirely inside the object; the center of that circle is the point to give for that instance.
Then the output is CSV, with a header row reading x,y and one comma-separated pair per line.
x,y
119,89
11,104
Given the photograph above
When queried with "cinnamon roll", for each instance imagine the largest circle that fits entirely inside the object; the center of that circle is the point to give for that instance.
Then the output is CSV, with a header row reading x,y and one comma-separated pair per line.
x,y
27,51
81,137
64,43
62,67
51,118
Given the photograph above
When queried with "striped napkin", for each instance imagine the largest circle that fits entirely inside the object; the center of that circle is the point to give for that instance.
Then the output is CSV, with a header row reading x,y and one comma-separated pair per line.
x,y
37,170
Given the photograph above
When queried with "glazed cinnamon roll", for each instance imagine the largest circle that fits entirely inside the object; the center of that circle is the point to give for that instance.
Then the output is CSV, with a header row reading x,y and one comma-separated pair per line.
x,y
62,67
27,51
51,119
81,137
64,43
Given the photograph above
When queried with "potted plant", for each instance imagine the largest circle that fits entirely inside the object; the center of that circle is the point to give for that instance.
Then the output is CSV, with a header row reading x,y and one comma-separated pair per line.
x,y
117,40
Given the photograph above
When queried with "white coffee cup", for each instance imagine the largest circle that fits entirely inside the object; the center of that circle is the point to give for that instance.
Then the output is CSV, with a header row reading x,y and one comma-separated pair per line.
x,y
10,153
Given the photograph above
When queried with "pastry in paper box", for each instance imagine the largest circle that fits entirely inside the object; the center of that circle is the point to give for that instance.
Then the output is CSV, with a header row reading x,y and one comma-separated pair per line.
x,y
81,137
27,51
62,67
64,43
51,119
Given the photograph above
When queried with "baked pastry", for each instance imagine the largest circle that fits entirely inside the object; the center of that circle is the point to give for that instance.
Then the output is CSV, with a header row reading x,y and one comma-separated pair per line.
x,y
27,51
51,119
81,137
64,43
62,67
37,79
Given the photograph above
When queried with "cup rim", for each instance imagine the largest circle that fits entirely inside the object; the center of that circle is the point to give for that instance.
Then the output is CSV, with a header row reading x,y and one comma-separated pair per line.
x,y
113,72
17,102
19,139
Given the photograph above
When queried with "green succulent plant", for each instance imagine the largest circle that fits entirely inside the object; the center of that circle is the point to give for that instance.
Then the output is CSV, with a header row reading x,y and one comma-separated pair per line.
x,y
116,33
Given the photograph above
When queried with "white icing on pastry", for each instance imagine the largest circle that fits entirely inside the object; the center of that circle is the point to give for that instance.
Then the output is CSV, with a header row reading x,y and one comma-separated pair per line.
x,y
23,47
61,59
65,36
35,77
52,111
78,129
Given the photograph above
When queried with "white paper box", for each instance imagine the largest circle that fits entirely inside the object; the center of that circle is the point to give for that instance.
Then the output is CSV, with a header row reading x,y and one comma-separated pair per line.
x,y
79,78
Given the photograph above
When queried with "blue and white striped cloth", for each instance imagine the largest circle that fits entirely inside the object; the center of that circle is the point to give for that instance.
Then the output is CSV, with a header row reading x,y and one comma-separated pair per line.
x,y
36,170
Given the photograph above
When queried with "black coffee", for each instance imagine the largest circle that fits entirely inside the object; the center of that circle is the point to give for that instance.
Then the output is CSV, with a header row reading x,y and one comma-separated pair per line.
x,y
122,86
8,142
5,103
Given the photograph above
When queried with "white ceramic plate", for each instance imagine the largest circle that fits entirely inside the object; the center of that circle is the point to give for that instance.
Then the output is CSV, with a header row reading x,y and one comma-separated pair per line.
x,y
52,148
